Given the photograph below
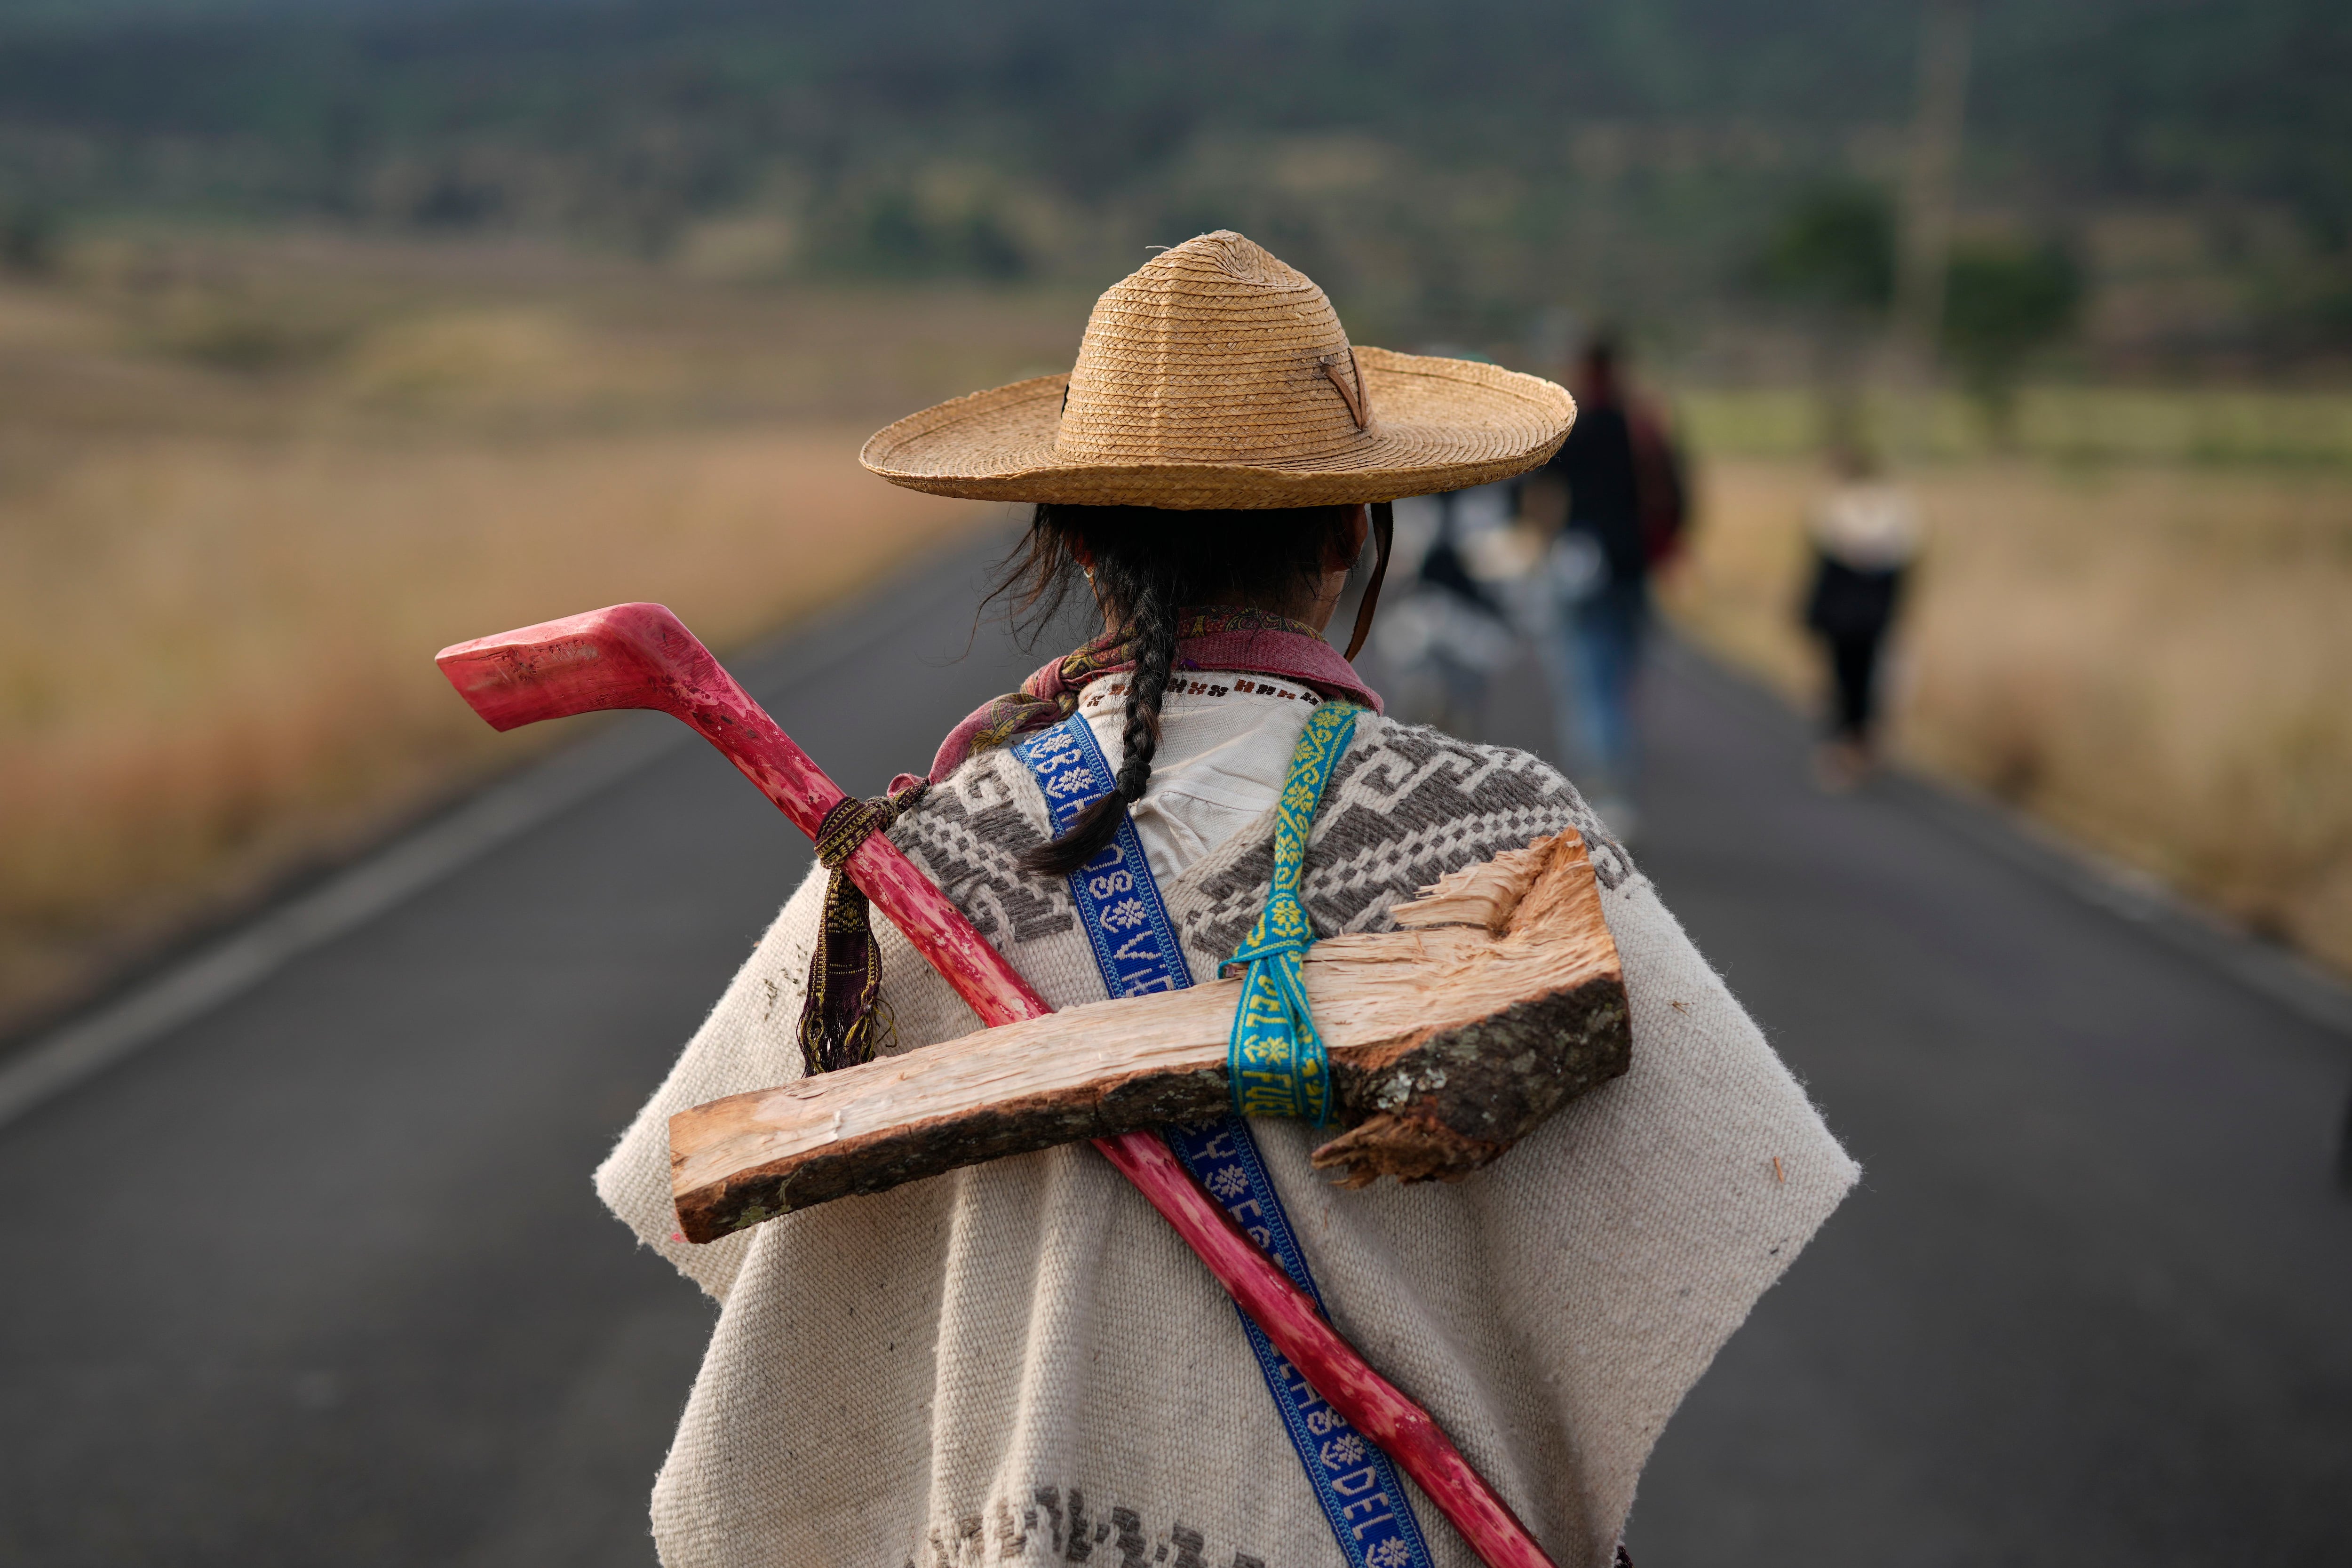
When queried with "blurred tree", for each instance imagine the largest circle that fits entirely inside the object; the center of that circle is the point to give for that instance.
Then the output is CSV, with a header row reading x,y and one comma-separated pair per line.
x,y
895,237
985,249
28,241
2001,303
1833,248
1519,151
898,241
1831,255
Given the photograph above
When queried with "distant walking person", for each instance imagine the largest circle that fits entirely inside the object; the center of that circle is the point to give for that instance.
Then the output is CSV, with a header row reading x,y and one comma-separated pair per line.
x,y
1865,533
1448,633
1626,511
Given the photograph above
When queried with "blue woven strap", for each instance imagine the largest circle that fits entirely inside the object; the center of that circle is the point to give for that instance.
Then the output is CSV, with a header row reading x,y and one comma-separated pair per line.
x,y
1135,948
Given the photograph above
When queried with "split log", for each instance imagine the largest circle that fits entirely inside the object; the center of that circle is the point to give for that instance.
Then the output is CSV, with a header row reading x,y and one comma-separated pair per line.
x,y
1496,1000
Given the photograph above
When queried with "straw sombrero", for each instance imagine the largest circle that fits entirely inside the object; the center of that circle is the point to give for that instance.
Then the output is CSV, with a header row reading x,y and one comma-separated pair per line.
x,y
1215,375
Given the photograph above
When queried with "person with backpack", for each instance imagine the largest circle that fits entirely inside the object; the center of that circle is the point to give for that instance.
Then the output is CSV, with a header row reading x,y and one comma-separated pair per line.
x,y
1627,506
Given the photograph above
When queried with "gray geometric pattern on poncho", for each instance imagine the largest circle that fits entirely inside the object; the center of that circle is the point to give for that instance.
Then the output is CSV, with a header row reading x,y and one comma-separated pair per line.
x,y
1612,1252
970,835
1405,805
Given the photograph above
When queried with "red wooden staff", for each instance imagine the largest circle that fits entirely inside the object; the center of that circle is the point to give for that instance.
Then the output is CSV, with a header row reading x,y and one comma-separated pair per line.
x,y
639,656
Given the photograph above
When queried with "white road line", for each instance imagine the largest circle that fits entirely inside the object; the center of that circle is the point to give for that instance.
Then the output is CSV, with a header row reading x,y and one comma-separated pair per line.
x,y
186,991
2275,973
250,954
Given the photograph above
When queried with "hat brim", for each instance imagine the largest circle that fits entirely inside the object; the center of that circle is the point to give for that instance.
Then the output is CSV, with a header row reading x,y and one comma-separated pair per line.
x,y
1437,424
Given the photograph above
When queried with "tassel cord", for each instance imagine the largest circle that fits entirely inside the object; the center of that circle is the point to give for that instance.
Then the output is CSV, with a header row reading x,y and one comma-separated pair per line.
x,y
843,1020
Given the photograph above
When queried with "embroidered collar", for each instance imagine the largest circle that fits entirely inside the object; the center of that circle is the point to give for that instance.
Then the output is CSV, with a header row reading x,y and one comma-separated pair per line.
x,y
1212,638
1106,691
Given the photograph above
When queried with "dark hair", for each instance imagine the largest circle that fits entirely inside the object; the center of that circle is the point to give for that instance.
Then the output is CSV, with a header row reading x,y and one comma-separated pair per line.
x,y
1148,565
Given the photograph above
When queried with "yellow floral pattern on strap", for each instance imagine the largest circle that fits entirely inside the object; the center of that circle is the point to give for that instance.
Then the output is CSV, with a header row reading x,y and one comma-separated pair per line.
x,y
1275,1059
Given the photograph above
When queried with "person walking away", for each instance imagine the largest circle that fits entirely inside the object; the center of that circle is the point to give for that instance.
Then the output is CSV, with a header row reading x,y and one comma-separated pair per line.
x,y
1448,635
1018,1363
1865,533
1626,513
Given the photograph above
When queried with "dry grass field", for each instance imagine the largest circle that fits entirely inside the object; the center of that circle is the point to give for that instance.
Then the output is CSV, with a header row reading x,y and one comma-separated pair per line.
x,y
248,488
2156,658
249,483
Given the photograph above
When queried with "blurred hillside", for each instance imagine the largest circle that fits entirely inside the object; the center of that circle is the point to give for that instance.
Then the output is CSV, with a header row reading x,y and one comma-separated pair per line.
x,y
1445,171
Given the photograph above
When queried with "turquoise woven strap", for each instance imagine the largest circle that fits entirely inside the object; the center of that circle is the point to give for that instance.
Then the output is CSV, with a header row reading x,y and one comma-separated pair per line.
x,y
1274,1059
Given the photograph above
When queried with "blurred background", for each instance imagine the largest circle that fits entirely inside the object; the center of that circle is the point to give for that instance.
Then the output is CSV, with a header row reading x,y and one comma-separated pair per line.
x,y
334,330
330,331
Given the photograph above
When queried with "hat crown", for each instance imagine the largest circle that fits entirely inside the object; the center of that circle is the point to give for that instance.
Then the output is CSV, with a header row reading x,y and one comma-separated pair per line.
x,y
1216,351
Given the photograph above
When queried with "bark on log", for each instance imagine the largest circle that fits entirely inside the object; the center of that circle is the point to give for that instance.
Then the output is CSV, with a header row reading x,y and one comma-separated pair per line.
x,y
1496,1000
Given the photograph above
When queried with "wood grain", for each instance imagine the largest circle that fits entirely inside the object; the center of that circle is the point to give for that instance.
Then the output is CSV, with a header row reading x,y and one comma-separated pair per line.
x,y
1450,1039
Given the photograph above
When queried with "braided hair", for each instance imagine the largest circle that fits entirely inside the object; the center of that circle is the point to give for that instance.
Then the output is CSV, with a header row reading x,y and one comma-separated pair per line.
x,y
1147,566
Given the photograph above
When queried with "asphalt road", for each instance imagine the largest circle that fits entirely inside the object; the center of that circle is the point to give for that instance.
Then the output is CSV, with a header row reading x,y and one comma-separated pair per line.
x,y
317,1277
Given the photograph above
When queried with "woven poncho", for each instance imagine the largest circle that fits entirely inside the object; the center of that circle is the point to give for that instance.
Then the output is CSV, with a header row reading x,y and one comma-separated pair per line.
x,y
1019,1363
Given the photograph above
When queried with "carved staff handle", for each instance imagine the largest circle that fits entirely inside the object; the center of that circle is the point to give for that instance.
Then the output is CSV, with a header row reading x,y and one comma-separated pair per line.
x,y
639,656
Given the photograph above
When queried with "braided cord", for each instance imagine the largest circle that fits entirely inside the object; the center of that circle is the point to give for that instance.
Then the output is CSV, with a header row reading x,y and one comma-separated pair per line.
x,y
1274,1058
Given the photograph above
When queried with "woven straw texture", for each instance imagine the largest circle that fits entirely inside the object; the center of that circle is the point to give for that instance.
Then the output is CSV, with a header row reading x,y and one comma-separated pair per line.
x,y
1018,1363
1217,375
